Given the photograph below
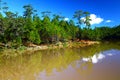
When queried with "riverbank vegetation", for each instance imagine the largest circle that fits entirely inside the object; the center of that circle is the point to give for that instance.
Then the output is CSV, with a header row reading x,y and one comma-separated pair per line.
x,y
30,28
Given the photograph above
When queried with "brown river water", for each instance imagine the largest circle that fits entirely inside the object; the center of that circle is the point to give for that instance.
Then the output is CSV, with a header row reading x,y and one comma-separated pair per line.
x,y
97,62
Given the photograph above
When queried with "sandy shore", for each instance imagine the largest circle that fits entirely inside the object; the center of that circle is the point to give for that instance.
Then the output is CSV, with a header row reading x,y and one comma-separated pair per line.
x,y
69,44
31,48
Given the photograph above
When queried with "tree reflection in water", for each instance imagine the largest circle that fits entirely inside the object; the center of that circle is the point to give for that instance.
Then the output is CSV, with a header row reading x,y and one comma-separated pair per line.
x,y
59,64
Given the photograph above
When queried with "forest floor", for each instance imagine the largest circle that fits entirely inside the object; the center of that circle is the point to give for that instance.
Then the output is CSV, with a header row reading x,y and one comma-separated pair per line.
x,y
32,47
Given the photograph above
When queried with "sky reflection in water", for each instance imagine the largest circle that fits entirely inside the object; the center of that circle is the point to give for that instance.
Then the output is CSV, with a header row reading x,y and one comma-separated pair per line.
x,y
99,56
88,63
81,70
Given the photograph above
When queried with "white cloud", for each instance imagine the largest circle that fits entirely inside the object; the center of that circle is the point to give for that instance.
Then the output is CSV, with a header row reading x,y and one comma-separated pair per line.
x,y
94,19
108,21
66,19
94,59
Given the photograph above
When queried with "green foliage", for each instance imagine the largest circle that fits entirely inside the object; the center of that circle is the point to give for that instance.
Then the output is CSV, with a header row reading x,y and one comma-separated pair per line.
x,y
79,16
16,30
28,11
34,37
101,33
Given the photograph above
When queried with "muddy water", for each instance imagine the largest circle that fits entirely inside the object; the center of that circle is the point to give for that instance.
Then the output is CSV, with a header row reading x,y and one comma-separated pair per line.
x,y
98,62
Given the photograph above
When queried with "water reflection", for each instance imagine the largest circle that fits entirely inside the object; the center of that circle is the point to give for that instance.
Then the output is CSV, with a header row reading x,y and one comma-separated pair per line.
x,y
95,58
64,64
69,73
82,69
99,56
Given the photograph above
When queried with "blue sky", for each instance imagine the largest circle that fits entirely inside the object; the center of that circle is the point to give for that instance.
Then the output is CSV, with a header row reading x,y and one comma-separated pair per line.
x,y
103,12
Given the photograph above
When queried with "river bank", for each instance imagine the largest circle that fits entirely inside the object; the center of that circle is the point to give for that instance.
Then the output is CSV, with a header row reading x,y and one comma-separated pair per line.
x,y
29,49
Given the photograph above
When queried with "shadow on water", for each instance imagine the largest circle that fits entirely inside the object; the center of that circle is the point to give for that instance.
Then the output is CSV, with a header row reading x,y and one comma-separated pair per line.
x,y
59,64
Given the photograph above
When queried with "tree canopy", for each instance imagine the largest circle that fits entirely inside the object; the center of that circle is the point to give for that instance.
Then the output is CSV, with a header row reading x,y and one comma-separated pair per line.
x,y
30,28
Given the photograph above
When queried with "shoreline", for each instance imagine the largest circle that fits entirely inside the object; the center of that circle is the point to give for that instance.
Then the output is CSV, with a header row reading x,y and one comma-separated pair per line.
x,y
32,47
74,44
